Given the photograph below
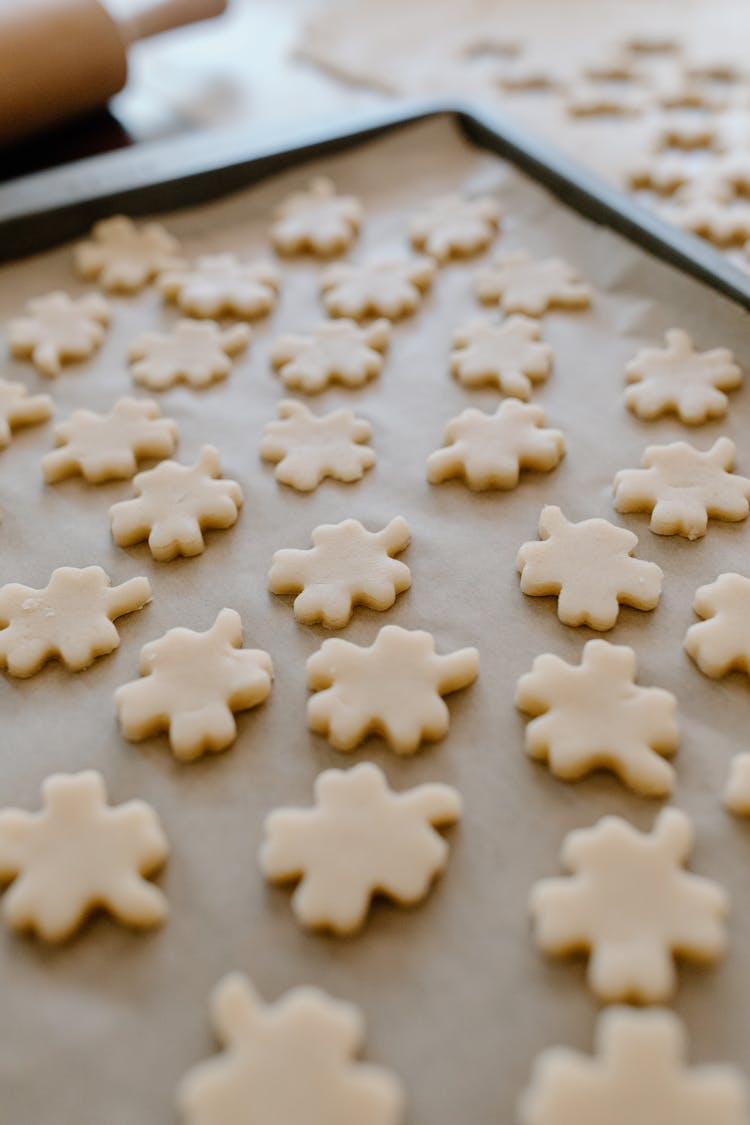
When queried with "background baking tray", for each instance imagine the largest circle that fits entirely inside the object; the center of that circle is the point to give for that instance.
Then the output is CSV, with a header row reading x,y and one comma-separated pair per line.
x,y
456,998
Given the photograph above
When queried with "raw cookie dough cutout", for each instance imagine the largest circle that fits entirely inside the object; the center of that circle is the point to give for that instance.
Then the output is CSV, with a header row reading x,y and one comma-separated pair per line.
x,y
19,408
452,226
194,352
737,792
360,839
80,854
678,379
521,284
316,221
221,285
346,566
392,288
70,619
124,257
174,504
489,450
721,642
631,907
510,356
191,683
589,566
711,211
338,351
58,329
306,448
593,715
392,688
296,1056
592,99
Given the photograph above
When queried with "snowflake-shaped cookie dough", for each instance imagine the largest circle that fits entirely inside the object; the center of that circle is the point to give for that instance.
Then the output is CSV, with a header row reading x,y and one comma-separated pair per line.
x,y
589,566
306,448
287,1062
509,356
721,644
737,792
194,352
57,328
174,504
594,99
70,619
191,683
79,854
392,288
455,227
392,688
593,715
316,221
222,285
19,408
346,566
522,285
123,257
338,351
678,379
630,906
688,133
104,447
712,211
359,840
489,450
682,487
637,1077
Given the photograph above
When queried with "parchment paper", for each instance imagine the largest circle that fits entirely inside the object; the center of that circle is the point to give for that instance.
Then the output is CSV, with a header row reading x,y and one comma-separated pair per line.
x,y
456,998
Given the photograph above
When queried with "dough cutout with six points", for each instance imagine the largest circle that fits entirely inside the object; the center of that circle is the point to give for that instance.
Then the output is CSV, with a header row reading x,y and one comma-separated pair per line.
x,y
19,408
678,379
57,329
510,356
337,351
194,352
218,285
721,642
306,448
316,221
521,284
392,288
124,257
453,226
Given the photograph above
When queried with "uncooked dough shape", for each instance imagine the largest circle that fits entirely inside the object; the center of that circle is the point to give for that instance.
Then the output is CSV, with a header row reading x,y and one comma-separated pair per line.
x,y
306,448
174,504
392,288
737,792
191,683
593,715
124,257
594,99
489,450
453,226
56,329
630,905
222,285
70,619
102,447
710,208
80,854
510,356
638,1076
287,1062
392,688
687,133
360,839
346,566
682,487
337,351
589,566
316,221
721,643
194,352
681,380
520,284
19,408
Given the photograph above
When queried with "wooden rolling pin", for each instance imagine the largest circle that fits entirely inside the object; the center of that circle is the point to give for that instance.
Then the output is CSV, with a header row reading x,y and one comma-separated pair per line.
x,y
60,58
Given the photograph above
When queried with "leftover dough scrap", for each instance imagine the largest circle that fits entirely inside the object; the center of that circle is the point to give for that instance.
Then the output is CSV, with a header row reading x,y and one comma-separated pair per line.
x,y
682,487
392,288
222,285
638,1074
721,643
392,688
510,356
306,448
346,566
630,905
70,619
57,328
452,226
79,854
520,284
285,1062
679,379
593,715
489,450
174,504
589,566
19,408
337,351
360,839
737,792
124,257
316,221
194,352
102,447
191,683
